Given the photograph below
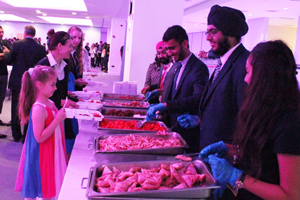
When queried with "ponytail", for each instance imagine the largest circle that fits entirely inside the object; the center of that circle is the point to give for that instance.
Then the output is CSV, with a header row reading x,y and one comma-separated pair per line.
x,y
27,97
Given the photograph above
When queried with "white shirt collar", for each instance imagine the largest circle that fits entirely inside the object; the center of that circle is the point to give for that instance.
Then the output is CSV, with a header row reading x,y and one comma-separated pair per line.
x,y
225,57
58,68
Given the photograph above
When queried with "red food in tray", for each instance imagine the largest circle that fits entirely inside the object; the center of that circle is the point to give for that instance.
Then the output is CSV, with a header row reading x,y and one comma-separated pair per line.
x,y
165,177
131,125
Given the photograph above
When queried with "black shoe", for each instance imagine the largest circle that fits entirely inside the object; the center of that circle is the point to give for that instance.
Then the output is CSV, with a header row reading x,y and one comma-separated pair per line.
x,y
8,124
18,139
2,135
2,123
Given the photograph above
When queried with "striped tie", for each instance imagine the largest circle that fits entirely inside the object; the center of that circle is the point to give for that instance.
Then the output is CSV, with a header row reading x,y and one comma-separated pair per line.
x,y
217,70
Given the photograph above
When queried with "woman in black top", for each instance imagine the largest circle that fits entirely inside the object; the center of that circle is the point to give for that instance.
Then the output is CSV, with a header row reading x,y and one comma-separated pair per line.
x,y
267,141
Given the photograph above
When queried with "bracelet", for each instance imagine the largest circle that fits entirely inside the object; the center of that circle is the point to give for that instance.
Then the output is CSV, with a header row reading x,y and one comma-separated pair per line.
x,y
239,184
237,152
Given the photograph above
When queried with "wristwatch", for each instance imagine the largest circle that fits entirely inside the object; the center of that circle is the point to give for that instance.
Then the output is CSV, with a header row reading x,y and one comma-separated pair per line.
x,y
239,184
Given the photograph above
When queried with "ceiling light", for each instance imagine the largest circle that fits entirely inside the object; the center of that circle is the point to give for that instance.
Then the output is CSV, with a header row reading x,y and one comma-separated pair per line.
x,y
38,11
74,13
285,8
87,17
1,11
10,17
44,14
77,5
70,21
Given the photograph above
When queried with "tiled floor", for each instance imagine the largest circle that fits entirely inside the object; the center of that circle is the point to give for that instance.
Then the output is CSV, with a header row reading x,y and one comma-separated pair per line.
x,y
10,152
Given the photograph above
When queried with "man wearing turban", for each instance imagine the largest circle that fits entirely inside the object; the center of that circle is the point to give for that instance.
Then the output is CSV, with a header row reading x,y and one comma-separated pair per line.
x,y
222,96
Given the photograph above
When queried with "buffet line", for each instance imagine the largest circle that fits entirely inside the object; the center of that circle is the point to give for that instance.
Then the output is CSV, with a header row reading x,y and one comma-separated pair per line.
x,y
132,162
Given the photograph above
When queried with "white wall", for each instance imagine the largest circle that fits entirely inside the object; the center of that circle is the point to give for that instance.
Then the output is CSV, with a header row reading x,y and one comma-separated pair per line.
x,y
287,34
145,27
11,29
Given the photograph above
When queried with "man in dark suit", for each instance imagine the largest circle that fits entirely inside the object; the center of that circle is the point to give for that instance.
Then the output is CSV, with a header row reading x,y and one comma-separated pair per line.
x,y
4,48
23,55
183,85
222,97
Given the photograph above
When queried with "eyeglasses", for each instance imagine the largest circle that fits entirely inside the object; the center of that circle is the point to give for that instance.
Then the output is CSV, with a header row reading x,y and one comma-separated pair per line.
x,y
212,32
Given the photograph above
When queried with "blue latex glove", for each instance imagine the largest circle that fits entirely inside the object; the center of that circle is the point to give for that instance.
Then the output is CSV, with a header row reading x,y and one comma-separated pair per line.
x,y
188,121
151,113
152,95
218,149
223,172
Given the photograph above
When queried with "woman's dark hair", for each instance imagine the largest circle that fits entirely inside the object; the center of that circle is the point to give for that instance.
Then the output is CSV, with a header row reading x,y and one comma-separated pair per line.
x,y
273,90
56,38
175,32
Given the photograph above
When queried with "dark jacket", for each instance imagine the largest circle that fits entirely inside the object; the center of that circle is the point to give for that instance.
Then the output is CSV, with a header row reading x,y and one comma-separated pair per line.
x,y
23,55
222,99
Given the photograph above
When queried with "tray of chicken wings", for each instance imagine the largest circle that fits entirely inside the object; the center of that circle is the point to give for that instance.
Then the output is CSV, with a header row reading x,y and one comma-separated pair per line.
x,y
169,179
124,97
163,143
129,125
123,113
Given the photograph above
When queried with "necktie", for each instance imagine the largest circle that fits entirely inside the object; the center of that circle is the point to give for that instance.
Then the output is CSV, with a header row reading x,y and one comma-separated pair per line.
x,y
163,76
175,80
74,56
217,70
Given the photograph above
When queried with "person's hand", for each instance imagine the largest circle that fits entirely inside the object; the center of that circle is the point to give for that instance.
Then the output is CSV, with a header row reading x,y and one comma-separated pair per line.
x,y
151,95
152,109
202,54
218,149
61,115
223,172
5,49
79,82
145,90
69,104
188,121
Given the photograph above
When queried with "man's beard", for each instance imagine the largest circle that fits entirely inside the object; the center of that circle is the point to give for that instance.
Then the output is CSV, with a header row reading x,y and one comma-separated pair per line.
x,y
223,47
164,60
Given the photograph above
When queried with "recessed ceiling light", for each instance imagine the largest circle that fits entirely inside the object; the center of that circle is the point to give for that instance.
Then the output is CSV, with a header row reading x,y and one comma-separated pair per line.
x,y
87,17
74,13
44,14
10,17
76,5
285,8
70,21
1,11
38,11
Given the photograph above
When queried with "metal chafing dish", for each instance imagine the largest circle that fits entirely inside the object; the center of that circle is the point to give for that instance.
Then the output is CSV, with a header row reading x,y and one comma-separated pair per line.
x,y
159,151
197,192
123,97
125,104
140,112
131,130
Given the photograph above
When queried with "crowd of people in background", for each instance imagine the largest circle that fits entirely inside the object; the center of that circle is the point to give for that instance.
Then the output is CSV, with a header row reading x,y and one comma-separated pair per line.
x,y
99,54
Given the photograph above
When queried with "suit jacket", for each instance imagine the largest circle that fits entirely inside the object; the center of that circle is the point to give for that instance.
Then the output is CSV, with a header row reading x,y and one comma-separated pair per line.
x,y
23,55
187,97
222,99
3,62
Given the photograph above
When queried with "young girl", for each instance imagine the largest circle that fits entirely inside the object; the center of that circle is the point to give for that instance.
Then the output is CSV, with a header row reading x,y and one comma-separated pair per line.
x,y
43,160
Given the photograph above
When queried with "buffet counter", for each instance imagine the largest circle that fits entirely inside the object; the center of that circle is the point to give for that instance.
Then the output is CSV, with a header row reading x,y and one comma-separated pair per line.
x,y
82,159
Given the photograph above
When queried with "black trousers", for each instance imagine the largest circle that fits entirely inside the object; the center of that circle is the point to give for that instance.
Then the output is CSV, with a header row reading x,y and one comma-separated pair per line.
x,y
15,121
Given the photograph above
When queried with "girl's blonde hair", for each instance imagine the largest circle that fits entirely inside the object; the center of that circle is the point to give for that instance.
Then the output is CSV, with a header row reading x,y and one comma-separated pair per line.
x,y
29,91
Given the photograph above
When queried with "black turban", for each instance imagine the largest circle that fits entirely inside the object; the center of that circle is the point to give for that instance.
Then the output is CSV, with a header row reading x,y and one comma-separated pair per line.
x,y
230,21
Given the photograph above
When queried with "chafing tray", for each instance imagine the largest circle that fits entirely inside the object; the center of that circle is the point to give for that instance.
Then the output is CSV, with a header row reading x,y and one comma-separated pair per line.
x,y
131,130
104,111
122,104
198,192
123,97
161,151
